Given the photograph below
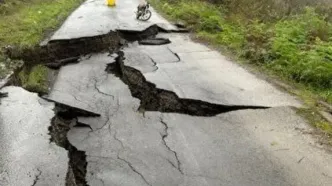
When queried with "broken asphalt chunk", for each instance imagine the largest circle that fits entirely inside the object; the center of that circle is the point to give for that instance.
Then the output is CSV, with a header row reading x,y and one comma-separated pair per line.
x,y
155,41
73,110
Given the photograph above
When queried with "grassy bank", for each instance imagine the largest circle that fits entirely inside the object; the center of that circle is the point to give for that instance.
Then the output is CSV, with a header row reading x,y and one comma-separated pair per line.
x,y
34,79
296,47
24,23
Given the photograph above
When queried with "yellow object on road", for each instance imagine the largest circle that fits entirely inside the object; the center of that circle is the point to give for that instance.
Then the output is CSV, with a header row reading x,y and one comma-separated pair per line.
x,y
111,2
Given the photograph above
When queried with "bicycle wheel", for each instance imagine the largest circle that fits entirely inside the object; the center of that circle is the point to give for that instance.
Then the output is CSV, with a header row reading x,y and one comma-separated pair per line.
x,y
146,16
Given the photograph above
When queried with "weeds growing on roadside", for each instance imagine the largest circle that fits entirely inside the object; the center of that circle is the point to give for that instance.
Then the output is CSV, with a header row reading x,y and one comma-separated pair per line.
x,y
295,46
24,24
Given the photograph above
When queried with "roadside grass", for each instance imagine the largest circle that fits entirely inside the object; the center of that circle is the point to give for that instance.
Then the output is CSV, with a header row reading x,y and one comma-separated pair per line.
x,y
34,79
296,49
23,24
325,128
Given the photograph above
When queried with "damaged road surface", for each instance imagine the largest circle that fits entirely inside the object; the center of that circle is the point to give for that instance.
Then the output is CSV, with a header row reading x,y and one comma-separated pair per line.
x,y
27,157
148,135
153,115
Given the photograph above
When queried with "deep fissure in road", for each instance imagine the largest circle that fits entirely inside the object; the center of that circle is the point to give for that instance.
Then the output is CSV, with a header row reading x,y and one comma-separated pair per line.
x,y
155,99
60,125
61,52
58,53
57,50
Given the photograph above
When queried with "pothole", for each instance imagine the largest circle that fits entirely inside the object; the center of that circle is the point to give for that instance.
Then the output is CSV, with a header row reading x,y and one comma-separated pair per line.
x,y
155,99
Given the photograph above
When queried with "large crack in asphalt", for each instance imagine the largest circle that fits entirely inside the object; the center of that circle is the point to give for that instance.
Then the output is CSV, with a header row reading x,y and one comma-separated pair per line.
x,y
77,165
57,53
66,50
62,52
156,99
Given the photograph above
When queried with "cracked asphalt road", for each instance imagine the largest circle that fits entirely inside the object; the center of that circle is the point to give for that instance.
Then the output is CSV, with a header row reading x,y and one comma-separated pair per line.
x,y
27,157
140,140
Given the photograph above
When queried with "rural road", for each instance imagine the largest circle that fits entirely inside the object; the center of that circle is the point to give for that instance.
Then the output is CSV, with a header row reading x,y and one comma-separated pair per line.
x,y
179,114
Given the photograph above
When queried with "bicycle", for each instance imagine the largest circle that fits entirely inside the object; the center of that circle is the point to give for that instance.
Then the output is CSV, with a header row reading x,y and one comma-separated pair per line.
x,y
144,13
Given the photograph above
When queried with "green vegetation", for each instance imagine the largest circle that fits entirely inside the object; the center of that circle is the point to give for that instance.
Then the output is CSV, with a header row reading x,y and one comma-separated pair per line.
x,y
34,79
28,21
326,127
23,24
318,121
295,44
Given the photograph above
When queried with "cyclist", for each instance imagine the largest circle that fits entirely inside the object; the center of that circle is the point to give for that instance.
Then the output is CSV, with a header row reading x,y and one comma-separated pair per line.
x,y
141,7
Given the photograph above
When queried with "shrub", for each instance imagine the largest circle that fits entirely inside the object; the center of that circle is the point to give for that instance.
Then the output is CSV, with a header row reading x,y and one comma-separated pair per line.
x,y
302,54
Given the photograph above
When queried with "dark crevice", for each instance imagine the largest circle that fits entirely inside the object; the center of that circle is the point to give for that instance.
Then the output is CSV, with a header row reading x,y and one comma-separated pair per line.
x,y
59,63
148,33
66,50
155,99
58,53
61,52
77,165
3,95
